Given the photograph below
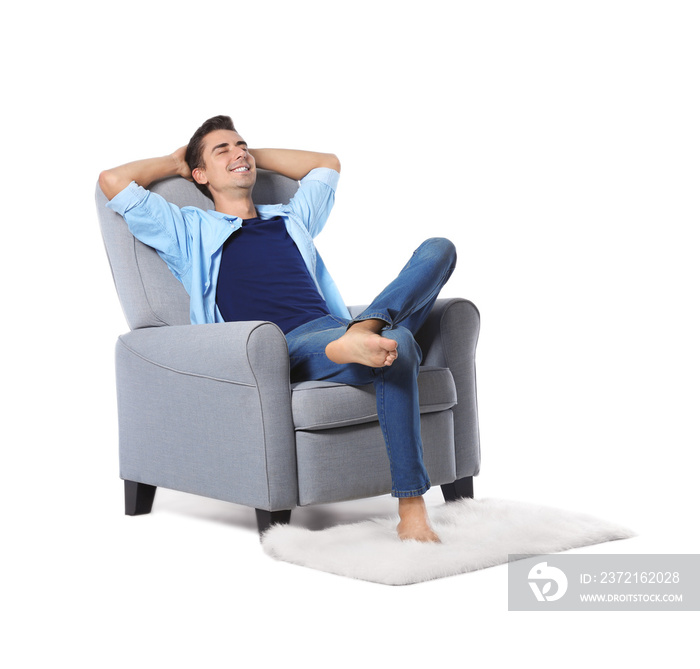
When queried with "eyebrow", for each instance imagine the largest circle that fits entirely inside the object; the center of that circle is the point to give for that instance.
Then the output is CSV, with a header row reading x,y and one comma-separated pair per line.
x,y
225,144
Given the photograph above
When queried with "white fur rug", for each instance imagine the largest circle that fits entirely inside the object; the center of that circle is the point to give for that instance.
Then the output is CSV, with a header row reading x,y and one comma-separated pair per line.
x,y
474,534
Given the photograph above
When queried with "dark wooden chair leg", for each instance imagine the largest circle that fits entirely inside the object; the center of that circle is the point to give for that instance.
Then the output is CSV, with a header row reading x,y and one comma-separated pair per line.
x,y
138,498
459,489
266,519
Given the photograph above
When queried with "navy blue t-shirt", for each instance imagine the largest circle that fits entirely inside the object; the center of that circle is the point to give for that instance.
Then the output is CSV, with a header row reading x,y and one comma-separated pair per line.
x,y
264,278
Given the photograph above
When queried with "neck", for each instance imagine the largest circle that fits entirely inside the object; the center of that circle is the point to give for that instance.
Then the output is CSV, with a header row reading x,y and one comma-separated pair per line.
x,y
241,207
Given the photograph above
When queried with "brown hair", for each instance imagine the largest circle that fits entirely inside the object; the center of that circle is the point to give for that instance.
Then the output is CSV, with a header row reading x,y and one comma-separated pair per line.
x,y
195,147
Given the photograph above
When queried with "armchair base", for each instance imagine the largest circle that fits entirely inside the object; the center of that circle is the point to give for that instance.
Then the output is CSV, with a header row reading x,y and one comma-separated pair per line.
x,y
138,498
266,519
459,489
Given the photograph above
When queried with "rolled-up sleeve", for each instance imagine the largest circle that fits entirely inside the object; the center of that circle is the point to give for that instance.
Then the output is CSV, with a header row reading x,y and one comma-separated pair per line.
x,y
157,223
315,198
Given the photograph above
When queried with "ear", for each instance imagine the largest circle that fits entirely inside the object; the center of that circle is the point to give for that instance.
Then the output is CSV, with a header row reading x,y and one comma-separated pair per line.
x,y
198,176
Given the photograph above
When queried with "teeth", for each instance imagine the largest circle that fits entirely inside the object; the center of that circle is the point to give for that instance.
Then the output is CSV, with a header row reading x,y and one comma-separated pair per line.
x,y
241,169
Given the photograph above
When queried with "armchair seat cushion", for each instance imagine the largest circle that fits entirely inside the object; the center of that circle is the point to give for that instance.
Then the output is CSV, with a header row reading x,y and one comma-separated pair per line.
x,y
323,405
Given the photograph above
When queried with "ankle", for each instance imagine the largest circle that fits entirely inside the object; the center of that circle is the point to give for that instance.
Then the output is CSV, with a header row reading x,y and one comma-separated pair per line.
x,y
412,505
414,521
373,325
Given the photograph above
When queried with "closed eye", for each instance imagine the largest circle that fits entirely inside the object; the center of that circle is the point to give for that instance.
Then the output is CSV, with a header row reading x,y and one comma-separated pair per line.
x,y
225,146
220,148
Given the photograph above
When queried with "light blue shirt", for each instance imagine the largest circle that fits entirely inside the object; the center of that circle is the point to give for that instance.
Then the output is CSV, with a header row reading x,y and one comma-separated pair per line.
x,y
190,240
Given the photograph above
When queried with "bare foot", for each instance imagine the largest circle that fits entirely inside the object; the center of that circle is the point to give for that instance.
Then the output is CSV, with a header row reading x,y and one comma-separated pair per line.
x,y
362,344
414,521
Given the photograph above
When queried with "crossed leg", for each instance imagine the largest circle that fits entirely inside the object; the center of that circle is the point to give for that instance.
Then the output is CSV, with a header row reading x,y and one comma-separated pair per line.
x,y
362,344
380,337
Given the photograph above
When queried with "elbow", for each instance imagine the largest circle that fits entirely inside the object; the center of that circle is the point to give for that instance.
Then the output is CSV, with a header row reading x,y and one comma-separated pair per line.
x,y
105,182
333,162
109,183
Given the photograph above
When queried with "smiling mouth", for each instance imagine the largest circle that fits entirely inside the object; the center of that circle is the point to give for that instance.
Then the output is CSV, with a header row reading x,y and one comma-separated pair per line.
x,y
241,168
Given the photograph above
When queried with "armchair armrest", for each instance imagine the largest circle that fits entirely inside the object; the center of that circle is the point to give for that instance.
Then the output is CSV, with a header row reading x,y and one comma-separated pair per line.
x,y
451,328
207,409
448,338
226,352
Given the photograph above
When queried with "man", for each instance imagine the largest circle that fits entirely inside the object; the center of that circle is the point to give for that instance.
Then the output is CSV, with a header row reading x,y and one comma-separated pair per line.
x,y
242,262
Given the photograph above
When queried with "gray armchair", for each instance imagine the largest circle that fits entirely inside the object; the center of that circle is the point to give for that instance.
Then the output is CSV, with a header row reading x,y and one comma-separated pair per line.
x,y
209,409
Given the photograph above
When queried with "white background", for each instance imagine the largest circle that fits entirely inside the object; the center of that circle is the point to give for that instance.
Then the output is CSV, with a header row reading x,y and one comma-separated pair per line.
x,y
556,143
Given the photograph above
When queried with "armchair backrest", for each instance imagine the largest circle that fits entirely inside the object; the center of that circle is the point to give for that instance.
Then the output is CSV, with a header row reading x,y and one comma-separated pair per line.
x,y
149,294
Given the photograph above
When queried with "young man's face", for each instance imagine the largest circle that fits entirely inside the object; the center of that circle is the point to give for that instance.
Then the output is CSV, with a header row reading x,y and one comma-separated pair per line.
x,y
227,163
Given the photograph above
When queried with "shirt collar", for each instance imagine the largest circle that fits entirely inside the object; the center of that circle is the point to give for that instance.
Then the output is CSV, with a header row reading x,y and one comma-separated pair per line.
x,y
264,211
223,217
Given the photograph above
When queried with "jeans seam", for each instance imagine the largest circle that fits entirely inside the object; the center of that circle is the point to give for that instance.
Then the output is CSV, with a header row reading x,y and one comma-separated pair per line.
x,y
381,414
443,280
411,493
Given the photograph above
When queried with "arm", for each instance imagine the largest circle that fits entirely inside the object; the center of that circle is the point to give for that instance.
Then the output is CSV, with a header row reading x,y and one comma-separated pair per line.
x,y
150,218
293,164
144,172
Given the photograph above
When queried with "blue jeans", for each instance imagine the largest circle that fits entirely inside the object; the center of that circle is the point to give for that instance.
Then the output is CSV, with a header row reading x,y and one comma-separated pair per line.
x,y
403,305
